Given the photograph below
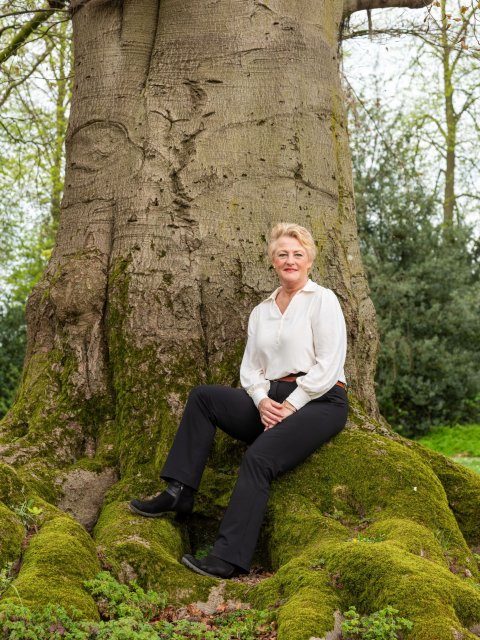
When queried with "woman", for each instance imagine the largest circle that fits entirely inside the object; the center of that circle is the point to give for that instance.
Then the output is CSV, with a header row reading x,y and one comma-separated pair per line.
x,y
293,400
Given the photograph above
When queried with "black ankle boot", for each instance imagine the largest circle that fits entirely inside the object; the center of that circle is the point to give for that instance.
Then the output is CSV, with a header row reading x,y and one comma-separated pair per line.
x,y
177,497
212,566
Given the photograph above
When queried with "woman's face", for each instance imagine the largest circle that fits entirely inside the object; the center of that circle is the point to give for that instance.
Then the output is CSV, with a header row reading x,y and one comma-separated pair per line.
x,y
291,262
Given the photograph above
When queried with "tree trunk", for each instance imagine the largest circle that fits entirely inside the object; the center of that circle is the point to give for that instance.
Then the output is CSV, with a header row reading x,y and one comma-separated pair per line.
x,y
194,127
450,122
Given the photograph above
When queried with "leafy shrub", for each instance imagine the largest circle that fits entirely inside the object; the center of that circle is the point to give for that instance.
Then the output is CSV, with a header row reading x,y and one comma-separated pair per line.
x,y
424,283
380,625
116,600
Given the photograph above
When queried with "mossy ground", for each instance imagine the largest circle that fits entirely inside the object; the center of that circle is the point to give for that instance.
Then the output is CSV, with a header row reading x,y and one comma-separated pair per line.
x,y
11,536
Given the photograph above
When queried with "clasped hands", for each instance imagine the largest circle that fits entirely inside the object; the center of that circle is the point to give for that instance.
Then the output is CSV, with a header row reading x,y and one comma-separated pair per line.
x,y
271,412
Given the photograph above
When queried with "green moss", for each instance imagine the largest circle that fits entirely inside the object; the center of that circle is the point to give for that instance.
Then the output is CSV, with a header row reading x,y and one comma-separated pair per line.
x,y
409,537
12,489
48,424
11,535
59,558
365,521
40,479
371,477
306,600
372,576
148,549
462,488
214,493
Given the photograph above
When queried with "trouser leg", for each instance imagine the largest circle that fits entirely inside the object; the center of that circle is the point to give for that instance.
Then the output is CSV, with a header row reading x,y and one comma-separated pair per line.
x,y
209,406
275,451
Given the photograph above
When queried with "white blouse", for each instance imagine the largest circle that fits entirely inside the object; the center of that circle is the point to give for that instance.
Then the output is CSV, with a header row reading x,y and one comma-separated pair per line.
x,y
310,336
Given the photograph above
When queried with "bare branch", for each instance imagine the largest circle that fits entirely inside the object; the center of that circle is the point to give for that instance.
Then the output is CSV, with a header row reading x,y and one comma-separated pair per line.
x,y
30,27
26,11
350,6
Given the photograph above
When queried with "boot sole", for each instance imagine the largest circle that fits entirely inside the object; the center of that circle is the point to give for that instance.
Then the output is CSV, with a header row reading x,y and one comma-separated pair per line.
x,y
191,565
139,512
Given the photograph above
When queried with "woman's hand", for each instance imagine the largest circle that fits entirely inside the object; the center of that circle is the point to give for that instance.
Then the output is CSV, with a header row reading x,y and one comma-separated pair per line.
x,y
271,412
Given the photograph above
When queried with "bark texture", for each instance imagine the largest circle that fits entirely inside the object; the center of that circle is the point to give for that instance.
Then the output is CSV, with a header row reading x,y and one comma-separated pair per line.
x,y
195,126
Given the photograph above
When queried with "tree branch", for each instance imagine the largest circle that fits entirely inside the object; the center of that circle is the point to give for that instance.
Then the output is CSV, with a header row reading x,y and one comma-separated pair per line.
x,y
30,27
350,6
17,83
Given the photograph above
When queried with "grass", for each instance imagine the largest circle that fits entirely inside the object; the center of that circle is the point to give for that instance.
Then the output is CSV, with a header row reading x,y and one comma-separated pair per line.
x,y
460,442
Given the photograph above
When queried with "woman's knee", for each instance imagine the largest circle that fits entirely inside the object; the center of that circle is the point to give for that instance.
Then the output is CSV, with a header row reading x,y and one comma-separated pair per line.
x,y
203,393
259,464
199,391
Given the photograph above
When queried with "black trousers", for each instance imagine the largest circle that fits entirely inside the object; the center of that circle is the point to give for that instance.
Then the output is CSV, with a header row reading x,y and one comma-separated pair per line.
x,y
270,452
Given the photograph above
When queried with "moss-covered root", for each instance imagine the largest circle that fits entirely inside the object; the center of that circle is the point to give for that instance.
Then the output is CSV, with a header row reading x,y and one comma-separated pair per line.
x,y
374,575
366,522
12,488
59,558
462,487
397,563
148,550
11,536
306,601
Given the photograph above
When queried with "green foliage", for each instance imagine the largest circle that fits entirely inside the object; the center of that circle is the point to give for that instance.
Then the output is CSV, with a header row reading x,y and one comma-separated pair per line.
x,y
28,512
361,537
425,284
53,623
6,578
34,99
380,625
116,600
128,613
12,350
247,625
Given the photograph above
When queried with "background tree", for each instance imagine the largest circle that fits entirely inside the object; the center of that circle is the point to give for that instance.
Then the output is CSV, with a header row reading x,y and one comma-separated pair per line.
x,y
35,96
194,126
425,286
442,59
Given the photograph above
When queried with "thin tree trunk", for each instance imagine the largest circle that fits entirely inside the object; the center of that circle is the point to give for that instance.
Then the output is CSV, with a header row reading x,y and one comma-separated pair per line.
x,y
450,121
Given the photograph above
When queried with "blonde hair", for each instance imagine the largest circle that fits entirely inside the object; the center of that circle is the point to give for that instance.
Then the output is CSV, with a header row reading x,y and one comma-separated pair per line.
x,y
294,231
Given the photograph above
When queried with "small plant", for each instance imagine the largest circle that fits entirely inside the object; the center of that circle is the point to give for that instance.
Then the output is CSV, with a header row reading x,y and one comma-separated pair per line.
x,y
28,513
380,625
371,539
443,538
319,564
6,580
204,551
247,624
116,600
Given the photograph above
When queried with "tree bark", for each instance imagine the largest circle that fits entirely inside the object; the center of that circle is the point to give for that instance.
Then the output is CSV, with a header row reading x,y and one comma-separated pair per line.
x,y
194,127
450,122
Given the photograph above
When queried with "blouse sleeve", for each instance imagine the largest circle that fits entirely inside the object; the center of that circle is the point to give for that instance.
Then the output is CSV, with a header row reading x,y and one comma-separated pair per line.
x,y
330,346
252,375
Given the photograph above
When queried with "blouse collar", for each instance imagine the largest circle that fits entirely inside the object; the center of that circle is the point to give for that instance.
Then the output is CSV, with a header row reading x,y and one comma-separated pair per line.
x,y
309,286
